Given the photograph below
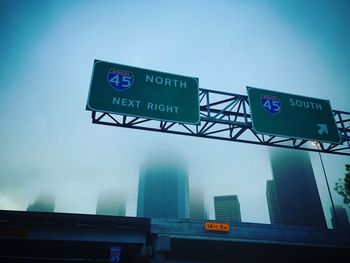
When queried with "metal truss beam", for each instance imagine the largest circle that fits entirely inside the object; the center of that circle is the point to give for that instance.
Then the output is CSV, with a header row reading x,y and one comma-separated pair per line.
x,y
226,116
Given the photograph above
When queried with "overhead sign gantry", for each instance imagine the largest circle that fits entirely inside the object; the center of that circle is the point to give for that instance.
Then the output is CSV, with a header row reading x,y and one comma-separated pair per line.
x,y
119,96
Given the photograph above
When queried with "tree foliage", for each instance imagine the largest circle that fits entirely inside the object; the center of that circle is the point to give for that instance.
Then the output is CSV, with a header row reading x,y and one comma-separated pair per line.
x,y
343,185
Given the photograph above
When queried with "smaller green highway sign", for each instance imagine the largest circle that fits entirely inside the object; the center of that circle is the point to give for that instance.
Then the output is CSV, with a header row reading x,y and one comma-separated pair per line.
x,y
287,115
144,93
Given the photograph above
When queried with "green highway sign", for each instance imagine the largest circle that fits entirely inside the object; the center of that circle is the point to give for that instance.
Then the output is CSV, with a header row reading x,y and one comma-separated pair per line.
x,y
287,115
144,93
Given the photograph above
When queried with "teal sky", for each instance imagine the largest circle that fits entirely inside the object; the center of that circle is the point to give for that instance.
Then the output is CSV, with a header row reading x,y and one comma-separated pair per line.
x,y
47,47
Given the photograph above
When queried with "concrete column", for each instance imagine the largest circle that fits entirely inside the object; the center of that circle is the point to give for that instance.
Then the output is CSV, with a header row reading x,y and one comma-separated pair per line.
x,y
160,248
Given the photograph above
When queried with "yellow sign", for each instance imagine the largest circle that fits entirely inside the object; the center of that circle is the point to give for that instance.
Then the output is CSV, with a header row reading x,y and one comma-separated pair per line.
x,y
213,226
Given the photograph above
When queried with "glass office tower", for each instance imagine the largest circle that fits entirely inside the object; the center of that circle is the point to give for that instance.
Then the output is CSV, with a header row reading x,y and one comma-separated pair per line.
x,y
297,194
272,202
197,206
341,222
45,202
227,208
110,202
163,190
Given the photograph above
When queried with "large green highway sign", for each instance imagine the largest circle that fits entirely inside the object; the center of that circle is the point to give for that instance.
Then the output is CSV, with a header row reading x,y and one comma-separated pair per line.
x,y
132,91
287,115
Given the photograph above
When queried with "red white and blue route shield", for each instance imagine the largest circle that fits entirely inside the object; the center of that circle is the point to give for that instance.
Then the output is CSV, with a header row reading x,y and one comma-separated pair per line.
x,y
271,104
120,79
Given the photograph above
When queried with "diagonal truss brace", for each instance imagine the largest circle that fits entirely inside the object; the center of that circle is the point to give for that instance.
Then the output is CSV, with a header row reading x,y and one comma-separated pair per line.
x,y
226,116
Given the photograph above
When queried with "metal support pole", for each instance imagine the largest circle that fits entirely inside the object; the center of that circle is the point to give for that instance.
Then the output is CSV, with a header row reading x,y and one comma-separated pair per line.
x,y
161,246
329,191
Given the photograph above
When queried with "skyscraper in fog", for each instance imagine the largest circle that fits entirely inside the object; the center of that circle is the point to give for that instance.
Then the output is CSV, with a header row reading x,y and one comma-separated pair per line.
x,y
227,208
342,221
297,194
163,190
111,203
197,207
272,202
45,202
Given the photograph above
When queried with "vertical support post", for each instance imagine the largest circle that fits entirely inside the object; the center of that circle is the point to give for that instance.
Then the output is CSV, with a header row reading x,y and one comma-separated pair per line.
x,y
208,102
329,191
160,247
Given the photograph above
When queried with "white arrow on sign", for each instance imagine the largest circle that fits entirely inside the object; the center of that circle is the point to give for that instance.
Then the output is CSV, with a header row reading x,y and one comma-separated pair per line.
x,y
323,128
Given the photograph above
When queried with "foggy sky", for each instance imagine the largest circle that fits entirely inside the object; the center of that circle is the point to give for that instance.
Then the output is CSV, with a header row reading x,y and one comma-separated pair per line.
x,y
47,140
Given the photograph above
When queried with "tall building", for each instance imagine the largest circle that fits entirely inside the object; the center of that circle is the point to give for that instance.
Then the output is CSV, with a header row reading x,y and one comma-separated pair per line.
x,y
272,202
341,223
111,203
197,207
163,190
297,194
227,208
45,202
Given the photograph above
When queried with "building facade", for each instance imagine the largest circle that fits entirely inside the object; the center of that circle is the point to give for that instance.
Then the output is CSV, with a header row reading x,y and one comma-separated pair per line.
x,y
272,202
296,189
110,202
45,202
197,206
163,190
227,208
341,222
